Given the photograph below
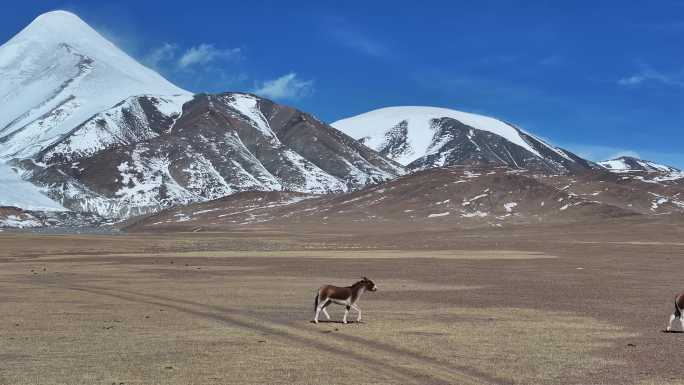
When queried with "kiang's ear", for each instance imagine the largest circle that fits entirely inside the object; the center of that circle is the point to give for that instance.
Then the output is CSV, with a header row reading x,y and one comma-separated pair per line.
x,y
365,279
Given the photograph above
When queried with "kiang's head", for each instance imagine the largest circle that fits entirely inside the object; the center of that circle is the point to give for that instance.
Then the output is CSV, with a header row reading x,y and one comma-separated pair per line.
x,y
369,285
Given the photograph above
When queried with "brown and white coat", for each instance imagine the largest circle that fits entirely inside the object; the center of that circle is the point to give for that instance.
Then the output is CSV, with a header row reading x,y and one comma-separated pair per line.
x,y
345,296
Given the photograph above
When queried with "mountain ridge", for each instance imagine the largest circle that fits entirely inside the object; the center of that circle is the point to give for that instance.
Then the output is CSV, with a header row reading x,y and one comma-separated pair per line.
x,y
422,137
99,132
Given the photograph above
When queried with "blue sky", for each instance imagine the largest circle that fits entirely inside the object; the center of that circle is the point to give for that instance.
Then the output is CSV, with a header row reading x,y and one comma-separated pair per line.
x,y
601,78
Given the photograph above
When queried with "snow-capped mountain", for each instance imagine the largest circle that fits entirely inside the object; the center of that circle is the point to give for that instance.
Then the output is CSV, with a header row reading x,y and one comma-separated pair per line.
x,y
98,132
628,164
58,72
425,137
654,171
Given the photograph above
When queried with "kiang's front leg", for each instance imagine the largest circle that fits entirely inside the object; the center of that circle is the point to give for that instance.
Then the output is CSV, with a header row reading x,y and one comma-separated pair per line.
x,y
358,311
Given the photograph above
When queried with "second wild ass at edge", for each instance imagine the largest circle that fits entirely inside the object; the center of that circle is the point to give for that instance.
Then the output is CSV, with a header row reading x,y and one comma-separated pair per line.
x,y
345,296
677,314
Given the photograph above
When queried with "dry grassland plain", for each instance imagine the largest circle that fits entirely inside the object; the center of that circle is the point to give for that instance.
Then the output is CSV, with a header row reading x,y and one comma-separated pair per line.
x,y
579,305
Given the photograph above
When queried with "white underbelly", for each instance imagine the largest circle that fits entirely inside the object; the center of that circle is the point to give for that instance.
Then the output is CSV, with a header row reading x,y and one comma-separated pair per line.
x,y
340,302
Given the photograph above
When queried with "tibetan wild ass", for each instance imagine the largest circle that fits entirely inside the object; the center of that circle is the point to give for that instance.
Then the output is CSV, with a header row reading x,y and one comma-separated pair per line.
x,y
345,296
677,314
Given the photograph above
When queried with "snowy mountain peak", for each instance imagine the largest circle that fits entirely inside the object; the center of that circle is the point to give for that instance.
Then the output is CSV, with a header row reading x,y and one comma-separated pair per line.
x,y
630,164
58,72
424,137
56,25
421,127
642,169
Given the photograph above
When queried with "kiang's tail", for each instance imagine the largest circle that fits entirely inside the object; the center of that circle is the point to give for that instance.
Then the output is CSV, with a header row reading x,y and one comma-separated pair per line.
x,y
678,311
316,302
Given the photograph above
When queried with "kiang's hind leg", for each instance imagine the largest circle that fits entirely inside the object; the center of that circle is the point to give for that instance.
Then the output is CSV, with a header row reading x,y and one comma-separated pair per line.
x,y
346,312
325,312
320,306
669,324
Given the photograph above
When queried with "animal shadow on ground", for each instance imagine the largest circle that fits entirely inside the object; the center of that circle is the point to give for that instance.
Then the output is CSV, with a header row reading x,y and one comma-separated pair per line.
x,y
668,331
335,322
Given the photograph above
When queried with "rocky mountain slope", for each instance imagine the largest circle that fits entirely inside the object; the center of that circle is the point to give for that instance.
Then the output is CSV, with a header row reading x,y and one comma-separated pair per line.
x,y
222,144
426,137
97,132
457,196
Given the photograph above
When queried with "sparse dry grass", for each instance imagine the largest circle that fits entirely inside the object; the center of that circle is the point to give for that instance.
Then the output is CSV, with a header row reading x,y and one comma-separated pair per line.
x,y
107,310
84,323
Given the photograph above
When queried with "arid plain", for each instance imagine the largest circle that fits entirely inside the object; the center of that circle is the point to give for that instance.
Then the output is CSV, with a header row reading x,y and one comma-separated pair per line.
x,y
567,304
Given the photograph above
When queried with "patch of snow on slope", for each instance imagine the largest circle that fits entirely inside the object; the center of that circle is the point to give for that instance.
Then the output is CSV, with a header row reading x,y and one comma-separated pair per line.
x,y
660,200
20,222
374,125
17,192
659,167
143,181
475,214
112,127
437,215
204,180
675,175
315,179
248,106
615,165
510,206
473,199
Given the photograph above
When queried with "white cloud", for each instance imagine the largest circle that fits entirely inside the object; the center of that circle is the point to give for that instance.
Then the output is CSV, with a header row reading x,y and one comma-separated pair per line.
x,y
288,86
205,54
164,53
552,60
359,42
650,75
199,55
345,33
622,153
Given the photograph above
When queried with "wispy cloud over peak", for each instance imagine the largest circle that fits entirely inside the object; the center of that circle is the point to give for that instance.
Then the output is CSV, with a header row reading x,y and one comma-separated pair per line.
x,y
288,86
621,153
350,36
200,67
195,56
161,54
649,75
551,60
207,53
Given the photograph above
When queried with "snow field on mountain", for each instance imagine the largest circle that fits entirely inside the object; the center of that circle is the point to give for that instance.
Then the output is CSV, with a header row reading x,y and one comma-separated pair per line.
x,y
374,124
